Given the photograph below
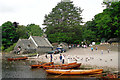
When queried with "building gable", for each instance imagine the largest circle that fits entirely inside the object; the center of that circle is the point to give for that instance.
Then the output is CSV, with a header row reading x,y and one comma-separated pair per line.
x,y
40,41
25,44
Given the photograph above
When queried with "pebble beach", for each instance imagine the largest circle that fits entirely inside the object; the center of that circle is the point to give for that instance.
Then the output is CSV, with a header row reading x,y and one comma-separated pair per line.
x,y
88,58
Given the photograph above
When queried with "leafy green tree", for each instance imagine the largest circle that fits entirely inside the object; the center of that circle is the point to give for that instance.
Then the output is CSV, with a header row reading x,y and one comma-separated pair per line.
x,y
63,23
107,22
103,24
34,30
1,47
90,31
9,35
115,15
88,35
22,32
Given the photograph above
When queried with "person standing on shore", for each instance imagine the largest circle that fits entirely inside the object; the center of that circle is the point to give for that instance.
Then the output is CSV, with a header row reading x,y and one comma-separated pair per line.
x,y
46,56
101,51
92,49
61,58
108,50
18,50
96,48
37,55
51,57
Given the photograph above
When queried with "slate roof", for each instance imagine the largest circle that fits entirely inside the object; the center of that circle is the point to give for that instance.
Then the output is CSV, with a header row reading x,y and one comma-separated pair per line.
x,y
42,41
25,43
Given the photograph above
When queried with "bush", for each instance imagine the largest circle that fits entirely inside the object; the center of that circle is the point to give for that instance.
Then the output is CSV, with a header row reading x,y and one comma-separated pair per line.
x,y
97,43
10,48
2,47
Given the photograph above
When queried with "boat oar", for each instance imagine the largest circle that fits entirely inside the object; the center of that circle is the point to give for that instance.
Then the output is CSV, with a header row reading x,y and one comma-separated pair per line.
x,y
39,66
62,73
59,75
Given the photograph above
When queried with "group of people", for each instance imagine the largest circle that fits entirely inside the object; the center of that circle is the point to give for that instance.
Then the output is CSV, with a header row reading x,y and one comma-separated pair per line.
x,y
101,50
61,57
95,48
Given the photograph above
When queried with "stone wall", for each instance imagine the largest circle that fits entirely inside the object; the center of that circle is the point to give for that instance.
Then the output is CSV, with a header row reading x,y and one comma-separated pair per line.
x,y
42,50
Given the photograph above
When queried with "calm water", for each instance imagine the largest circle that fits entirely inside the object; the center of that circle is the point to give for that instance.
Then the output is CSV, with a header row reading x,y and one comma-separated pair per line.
x,y
21,69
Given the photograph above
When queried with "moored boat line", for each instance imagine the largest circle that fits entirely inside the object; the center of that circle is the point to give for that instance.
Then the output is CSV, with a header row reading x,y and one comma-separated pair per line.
x,y
41,65
65,66
19,58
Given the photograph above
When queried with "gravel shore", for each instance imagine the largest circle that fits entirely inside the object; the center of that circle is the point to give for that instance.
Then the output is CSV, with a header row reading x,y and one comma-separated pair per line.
x,y
88,58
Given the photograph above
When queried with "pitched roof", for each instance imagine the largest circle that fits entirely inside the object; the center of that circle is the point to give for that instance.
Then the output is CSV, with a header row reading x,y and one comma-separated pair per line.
x,y
41,41
25,43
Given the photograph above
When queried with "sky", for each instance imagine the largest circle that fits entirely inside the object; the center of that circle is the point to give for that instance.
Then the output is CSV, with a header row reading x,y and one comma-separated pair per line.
x,y
33,11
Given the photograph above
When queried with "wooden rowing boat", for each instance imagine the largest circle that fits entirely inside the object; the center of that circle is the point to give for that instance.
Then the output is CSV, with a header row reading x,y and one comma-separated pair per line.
x,y
41,65
64,66
74,72
19,58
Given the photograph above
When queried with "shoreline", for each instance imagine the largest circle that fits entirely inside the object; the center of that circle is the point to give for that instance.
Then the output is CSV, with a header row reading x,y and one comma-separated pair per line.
x,y
89,59
106,61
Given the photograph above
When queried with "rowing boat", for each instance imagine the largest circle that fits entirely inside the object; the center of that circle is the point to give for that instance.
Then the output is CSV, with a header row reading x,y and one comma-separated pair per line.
x,y
19,58
41,65
74,72
64,66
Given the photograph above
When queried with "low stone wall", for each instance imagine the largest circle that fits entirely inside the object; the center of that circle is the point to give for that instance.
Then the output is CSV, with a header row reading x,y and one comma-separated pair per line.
x,y
43,50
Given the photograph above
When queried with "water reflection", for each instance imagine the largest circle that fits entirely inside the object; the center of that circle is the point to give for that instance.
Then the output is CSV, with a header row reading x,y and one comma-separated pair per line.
x,y
74,76
22,69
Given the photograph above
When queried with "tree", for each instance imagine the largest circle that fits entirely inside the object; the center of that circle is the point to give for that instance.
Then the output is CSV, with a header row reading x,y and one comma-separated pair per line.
x,y
9,35
22,32
90,31
63,23
88,34
107,22
34,30
1,47
115,15
103,24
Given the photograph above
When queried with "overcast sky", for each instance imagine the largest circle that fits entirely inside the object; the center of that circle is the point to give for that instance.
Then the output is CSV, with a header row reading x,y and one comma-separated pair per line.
x,y
33,11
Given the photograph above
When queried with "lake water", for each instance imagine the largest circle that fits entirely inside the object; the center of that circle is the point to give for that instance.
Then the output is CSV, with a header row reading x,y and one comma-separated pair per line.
x,y
21,69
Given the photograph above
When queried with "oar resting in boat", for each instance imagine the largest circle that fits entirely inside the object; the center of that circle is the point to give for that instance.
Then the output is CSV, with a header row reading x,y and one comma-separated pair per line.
x,y
63,73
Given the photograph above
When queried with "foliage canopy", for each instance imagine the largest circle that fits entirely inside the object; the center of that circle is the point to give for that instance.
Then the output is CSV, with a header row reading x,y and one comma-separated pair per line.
x,y
63,23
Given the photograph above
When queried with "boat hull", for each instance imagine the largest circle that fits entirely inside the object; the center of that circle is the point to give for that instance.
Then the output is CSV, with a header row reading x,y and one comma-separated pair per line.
x,y
20,58
66,66
74,72
41,65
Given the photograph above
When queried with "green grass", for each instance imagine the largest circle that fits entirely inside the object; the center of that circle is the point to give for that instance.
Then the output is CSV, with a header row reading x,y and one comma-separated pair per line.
x,y
32,54
10,48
